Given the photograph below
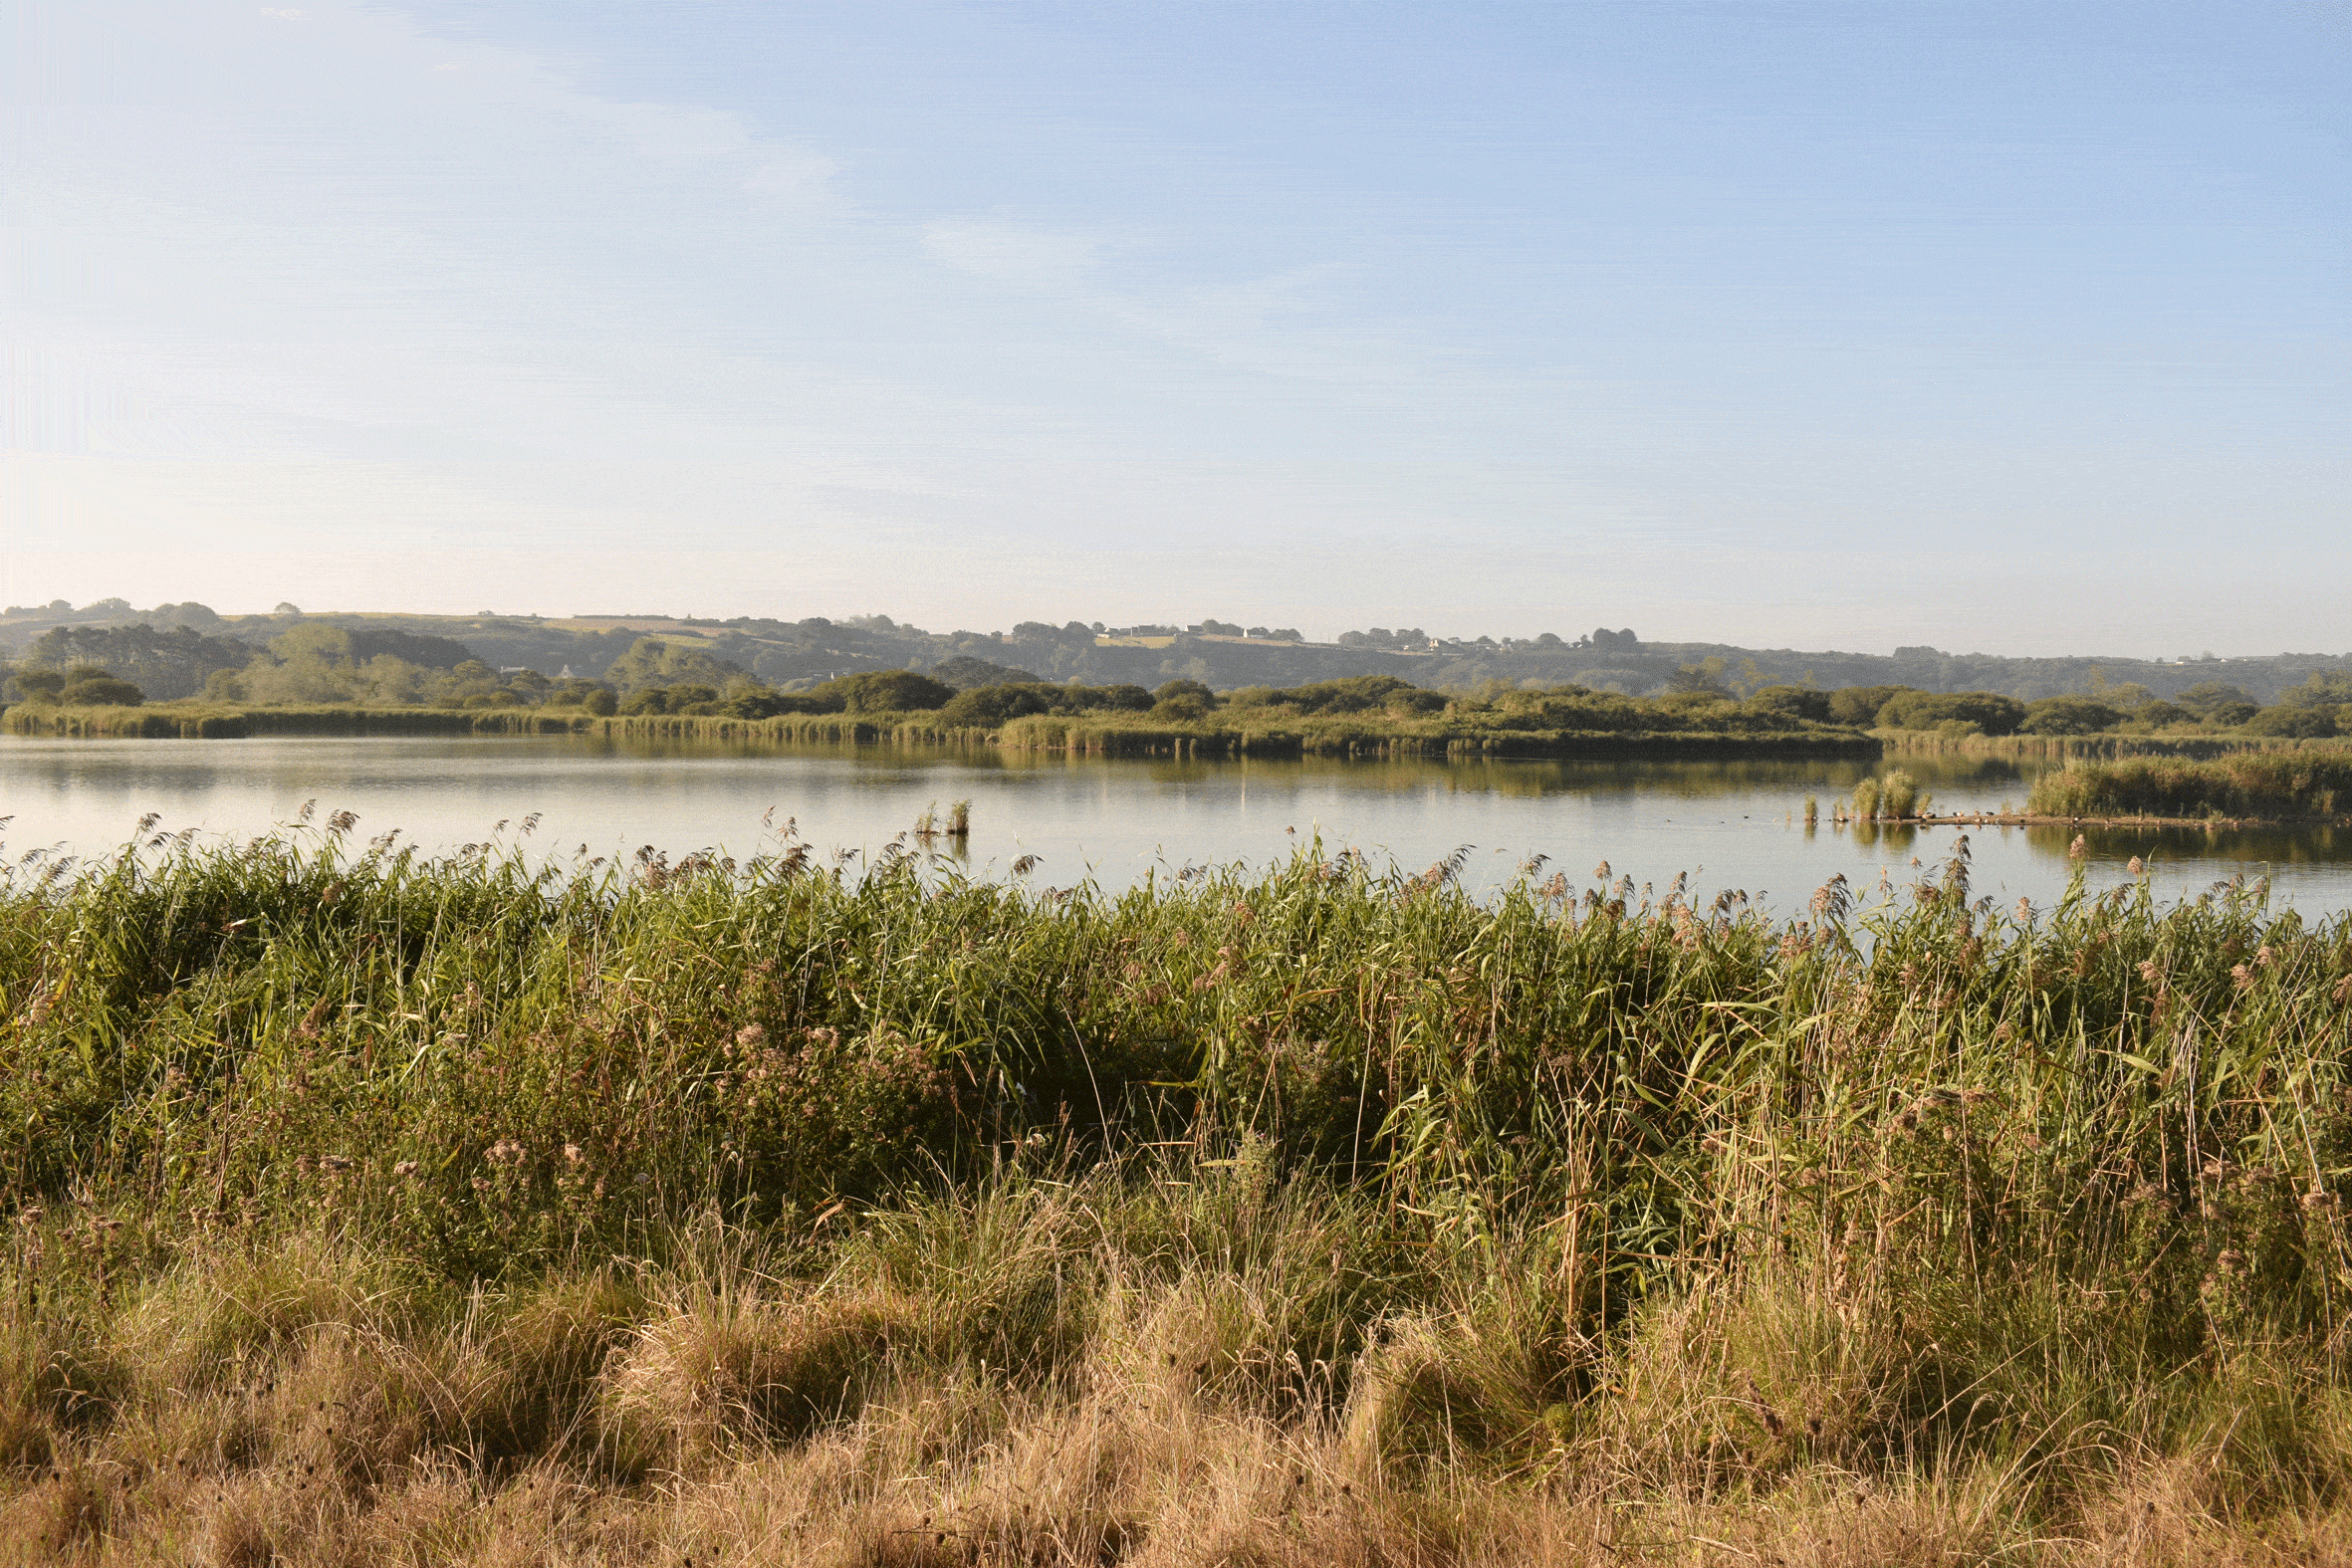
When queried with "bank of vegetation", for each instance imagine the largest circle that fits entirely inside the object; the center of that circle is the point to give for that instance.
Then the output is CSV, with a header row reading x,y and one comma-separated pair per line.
x,y
172,649
2264,786
369,675
366,1208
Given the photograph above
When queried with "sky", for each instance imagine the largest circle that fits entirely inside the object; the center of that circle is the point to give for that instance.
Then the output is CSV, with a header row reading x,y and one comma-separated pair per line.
x,y
2016,328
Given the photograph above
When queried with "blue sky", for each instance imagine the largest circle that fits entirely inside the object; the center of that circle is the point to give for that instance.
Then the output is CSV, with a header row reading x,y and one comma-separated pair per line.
x,y
2020,329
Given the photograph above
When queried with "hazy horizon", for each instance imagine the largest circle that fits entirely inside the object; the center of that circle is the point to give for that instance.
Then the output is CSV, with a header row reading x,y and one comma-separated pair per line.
x,y
1993,327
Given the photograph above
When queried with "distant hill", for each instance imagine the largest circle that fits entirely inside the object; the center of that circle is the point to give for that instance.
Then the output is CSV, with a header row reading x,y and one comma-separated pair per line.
x,y
797,654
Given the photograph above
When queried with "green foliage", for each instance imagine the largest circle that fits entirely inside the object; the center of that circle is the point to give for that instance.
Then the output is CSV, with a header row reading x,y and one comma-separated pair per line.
x,y
2205,696
884,691
2246,784
37,685
2068,716
1860,704
1989,712
986,707
320,1155
655,661
1792,702
99,689
167,664
966,673
2302,722
1703,678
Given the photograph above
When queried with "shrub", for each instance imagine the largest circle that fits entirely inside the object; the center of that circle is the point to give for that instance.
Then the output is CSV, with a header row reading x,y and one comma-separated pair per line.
x,y
1182,708
1791,702
101,691
2068,716
2297,723
1860,704
1990,712
886,691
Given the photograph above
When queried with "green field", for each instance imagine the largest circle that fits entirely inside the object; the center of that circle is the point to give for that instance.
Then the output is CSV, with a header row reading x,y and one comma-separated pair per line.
x,y
363,1207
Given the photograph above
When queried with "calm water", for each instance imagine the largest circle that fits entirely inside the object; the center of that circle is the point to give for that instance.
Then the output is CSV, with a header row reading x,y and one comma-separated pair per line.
x,y
1729,825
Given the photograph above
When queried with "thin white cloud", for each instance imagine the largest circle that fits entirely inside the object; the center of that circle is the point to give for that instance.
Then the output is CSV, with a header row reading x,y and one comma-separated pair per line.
x,y
1015,252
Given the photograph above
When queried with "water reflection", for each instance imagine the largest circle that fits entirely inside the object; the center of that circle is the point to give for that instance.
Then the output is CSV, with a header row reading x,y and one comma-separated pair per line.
x,y
1728,824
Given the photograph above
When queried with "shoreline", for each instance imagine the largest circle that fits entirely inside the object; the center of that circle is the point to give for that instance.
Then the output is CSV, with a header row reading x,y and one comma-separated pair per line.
x,y
2039,819
1036,734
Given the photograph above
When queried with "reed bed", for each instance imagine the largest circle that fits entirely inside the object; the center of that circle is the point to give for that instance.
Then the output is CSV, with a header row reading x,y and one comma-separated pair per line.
x,y
191,721
371,1207
2091,747
2266,785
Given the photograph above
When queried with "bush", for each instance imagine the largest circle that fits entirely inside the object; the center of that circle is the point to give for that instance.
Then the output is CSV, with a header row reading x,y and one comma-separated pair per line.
x,y
1860,704
1791,702
38,685
1182,708
101,691
886,691
2068,716
2297,723
1988,711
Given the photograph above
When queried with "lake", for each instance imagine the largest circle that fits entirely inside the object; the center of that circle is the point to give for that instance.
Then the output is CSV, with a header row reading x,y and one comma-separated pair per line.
x,y
1729,825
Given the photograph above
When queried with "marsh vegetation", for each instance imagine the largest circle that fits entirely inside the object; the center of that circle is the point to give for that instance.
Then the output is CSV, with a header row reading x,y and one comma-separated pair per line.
x,y
373,1208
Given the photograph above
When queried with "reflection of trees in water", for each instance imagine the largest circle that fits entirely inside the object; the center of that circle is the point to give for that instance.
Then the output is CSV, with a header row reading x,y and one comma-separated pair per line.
x,y
1519,779
2264,845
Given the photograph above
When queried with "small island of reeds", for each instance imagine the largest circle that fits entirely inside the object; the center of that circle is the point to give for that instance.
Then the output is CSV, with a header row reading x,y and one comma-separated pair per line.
x,y
369,1208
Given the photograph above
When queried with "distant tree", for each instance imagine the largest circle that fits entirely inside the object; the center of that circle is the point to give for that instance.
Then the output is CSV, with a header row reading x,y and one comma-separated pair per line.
x,y
2202,698
1989,712
164,664
2068,716
1860,704
2320,688
966,673
655,661
96,688
286,608
106,607
2305,723
601,702
195,616
2159,714
34,685
1185,688
886,691
1791,702
1183,707
1703,679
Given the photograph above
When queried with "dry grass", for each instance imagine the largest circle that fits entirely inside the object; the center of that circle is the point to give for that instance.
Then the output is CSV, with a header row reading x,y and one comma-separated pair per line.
x,y
365,1211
